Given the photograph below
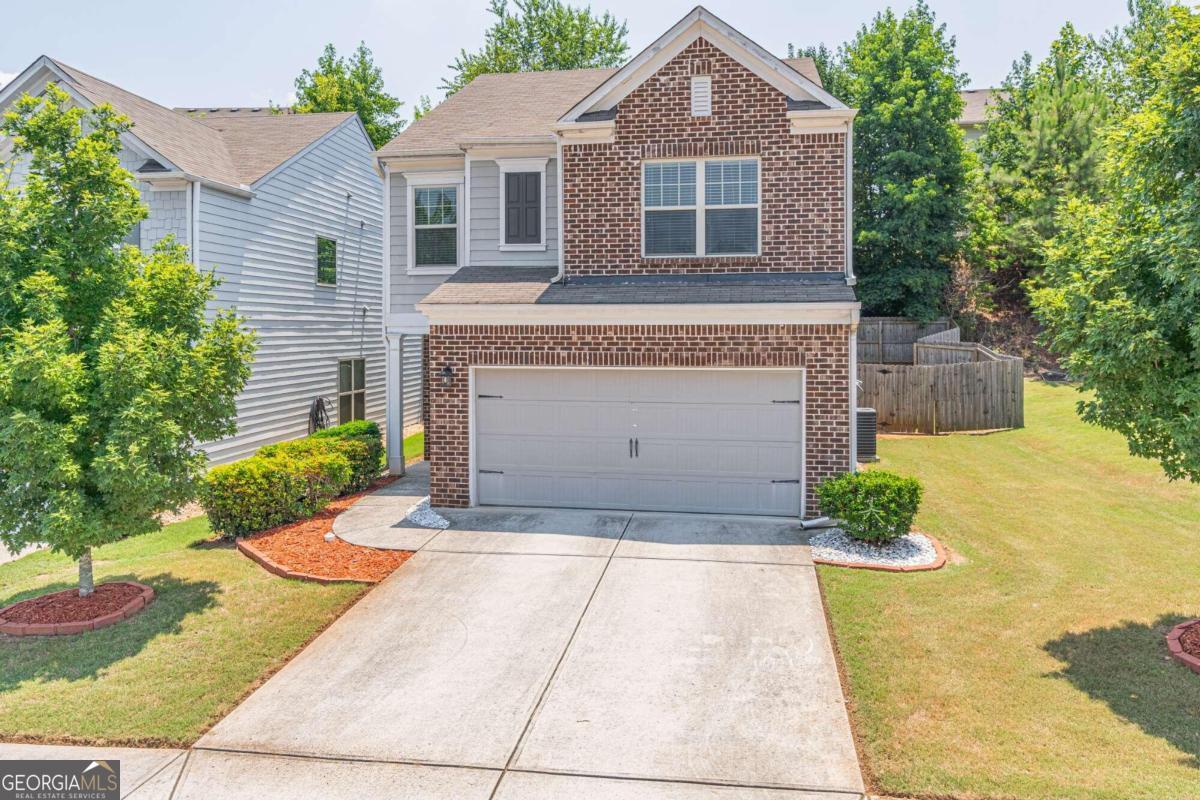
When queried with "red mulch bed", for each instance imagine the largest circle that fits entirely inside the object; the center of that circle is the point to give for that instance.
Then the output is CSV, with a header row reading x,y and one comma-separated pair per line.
x,y
301,550
1190,641
65,612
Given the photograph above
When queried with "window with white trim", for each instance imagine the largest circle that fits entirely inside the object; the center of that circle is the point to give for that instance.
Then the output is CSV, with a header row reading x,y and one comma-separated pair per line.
x,y
700,208
352,390
435,226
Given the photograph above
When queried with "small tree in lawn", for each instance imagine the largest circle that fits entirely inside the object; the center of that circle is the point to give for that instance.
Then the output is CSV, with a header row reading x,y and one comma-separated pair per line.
x,y
1120,292
109,371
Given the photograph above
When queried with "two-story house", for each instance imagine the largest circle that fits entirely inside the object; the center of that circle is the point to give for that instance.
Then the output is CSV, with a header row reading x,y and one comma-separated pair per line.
x,y
287,209
634,286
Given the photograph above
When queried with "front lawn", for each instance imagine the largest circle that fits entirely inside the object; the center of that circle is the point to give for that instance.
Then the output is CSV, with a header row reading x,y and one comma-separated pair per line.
x,y
219,624
1033,665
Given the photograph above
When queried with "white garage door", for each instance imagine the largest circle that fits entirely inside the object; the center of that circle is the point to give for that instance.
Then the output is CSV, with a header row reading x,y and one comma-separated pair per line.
x,y
720,441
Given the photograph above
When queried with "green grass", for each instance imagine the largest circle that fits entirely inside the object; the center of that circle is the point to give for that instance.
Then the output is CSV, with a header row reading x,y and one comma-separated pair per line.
x,y
1032,666
219,624
414,446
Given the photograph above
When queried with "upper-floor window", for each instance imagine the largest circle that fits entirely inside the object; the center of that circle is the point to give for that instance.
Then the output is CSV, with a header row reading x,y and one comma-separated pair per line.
x,y
435,226
326,261
706,207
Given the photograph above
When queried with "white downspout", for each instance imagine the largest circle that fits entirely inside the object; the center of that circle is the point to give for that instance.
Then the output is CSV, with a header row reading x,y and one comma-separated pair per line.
x,y
854,398
562,233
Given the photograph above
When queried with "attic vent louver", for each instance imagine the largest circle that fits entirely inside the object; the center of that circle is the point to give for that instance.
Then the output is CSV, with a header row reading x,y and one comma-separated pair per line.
x,y
701,95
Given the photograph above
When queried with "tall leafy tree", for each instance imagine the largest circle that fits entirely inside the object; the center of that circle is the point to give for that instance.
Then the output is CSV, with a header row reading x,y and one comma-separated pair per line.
x,y
110,371
909,172
830,65
541,35
1043,142
354,84
1120,294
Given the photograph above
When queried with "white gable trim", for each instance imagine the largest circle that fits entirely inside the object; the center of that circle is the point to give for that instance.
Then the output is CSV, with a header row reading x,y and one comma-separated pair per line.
x,y
25,80
700,22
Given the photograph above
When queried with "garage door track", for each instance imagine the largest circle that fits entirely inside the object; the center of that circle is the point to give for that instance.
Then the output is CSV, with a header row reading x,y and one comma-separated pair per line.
x,y
549,654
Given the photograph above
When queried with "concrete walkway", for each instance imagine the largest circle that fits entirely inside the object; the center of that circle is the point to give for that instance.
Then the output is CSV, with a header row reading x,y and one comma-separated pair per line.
x,y
540,654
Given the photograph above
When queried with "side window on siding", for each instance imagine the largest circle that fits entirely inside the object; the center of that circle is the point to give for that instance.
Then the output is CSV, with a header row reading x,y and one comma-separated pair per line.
x,y
352,390
435,226
326,260
522,207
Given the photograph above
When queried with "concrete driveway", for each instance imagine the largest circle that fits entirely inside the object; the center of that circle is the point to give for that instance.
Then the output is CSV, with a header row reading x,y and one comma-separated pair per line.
x,y
550,654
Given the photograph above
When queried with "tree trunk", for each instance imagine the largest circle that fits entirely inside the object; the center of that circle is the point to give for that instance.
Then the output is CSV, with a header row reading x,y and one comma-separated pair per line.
x,y
86,584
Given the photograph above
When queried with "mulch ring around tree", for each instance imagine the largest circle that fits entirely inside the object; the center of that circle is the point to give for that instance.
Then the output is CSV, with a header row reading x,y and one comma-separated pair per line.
x,y
299,550
64,613
1184,643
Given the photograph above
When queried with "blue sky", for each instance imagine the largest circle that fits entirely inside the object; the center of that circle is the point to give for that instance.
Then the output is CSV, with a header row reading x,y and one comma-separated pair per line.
x,y
247,52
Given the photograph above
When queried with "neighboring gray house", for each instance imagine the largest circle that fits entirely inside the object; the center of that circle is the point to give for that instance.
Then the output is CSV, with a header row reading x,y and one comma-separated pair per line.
x,y
286,208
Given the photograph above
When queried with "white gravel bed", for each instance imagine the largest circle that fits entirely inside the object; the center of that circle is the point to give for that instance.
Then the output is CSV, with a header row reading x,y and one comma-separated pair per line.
x,y
910,550
422,516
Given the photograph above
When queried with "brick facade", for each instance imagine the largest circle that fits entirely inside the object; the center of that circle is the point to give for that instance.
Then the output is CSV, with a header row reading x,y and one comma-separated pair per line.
x,y
822,350
802,177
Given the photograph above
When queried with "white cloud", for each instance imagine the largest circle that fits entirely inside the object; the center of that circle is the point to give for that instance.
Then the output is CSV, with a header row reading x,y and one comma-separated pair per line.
x,y
5,77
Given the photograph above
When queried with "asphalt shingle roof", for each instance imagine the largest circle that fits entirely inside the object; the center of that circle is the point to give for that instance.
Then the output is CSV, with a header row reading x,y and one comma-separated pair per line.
x,y
512,106
224,148
475,285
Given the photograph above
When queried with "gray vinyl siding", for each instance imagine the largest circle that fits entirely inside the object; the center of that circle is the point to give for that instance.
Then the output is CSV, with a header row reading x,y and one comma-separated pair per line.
x,y
485,220
408,290
264,250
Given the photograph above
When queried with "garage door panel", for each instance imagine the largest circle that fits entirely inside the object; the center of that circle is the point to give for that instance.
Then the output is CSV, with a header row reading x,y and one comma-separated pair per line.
x,y
707,440
516,452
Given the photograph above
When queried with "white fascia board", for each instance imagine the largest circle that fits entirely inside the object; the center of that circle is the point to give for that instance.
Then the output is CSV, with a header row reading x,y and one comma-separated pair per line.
x,y
641,314
700,23
406,324
832,120
434,159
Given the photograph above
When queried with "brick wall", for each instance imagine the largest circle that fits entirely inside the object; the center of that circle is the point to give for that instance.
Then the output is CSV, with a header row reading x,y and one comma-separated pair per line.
x,y
823,350
802,182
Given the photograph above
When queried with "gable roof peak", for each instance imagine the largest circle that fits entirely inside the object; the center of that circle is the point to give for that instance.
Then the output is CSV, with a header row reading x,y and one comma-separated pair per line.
x,y
697,23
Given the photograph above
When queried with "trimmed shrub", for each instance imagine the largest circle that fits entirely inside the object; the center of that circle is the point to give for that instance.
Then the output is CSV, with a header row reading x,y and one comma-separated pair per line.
x,y
291,480
366,464
260,492
874,506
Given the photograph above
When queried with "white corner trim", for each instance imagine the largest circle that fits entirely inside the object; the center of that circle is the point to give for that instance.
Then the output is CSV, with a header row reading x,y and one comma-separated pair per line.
x,y
562,231
641,314
854,399
466,210
507,165
849,204
194,244
387,244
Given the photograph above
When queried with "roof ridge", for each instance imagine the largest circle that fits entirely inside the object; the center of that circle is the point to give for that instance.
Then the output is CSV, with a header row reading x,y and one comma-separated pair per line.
x,y
70,69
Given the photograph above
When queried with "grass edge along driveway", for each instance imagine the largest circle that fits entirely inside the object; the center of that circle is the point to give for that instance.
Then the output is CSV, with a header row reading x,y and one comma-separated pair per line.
x,y
1033,665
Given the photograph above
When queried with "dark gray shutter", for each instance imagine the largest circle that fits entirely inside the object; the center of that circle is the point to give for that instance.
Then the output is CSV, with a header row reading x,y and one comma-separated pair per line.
x,y
523,207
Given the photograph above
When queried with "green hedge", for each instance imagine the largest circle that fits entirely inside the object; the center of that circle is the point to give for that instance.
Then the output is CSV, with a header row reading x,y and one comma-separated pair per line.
x,y
875,506
291,480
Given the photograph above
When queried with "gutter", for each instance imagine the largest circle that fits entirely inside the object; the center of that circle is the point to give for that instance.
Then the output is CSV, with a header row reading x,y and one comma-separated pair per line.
x,y
241,190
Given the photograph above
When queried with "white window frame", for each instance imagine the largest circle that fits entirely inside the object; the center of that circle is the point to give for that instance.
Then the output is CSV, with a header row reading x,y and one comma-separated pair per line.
x,y
701,164
507,165
446,180
352,391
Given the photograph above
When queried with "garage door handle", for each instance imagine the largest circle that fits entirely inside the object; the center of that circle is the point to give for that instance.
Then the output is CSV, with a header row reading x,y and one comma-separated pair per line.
x,y
636,454
793,480
631,447
491,472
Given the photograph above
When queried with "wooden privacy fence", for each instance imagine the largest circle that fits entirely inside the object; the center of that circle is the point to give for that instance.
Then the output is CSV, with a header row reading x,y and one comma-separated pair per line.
x,y
889,340
947,386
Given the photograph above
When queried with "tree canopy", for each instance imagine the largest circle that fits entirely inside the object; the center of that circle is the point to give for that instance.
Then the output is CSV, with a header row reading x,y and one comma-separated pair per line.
x,y
110,372
541,35
909,171
1120,292
354,84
